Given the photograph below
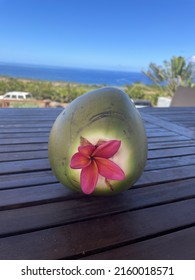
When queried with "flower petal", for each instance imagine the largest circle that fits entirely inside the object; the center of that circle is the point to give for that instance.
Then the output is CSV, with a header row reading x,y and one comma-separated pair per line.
x,y
107,149
89,178
100,142
84,141
79,161
86,150
109,169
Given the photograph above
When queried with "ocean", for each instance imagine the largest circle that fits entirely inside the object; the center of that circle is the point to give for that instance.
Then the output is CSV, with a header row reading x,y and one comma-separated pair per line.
x,y
77,75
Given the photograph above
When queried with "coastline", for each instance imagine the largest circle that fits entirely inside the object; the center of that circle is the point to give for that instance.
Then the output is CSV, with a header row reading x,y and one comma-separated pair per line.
x,y
63,92
73,75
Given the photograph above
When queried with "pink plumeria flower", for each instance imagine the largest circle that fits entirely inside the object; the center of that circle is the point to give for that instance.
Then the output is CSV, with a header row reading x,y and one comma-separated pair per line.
x,y
93,160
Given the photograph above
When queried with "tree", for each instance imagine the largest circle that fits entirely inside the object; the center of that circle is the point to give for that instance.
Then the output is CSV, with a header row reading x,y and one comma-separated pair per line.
x,y
174,73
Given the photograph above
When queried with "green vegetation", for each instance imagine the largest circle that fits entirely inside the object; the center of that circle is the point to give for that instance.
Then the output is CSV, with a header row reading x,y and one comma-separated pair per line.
x,y
55,91
145,92
66,92
165,80
176,72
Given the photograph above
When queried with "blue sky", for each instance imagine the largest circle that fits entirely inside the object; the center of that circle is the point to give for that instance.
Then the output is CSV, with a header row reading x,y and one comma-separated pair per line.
x,y
102,34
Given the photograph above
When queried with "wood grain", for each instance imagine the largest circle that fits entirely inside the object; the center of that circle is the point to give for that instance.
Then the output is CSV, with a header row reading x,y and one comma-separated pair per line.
x,y
41,219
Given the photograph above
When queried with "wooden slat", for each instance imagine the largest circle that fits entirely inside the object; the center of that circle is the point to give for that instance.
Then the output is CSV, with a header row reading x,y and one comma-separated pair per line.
x,y
173,246
170,162
11,141
179,151
12,156
6,136
57,205
161,133
97,234
181,171
164,139
15,125
16,198
26,179
166,175
22,166
170,126
41,219
6,131
172,144
23,147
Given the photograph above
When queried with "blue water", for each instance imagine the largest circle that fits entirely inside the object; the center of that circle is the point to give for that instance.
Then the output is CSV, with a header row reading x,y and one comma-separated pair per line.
x,y
78,75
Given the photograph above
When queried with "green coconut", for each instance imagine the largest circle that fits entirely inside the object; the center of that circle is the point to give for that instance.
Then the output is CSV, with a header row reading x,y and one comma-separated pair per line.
x,y
99,116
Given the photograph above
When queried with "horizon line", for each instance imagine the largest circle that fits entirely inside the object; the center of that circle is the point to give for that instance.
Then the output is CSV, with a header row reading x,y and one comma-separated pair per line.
x,y
70,67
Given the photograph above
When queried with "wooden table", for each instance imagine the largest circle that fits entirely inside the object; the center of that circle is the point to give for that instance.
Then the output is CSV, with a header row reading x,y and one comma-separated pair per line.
x,y
41,219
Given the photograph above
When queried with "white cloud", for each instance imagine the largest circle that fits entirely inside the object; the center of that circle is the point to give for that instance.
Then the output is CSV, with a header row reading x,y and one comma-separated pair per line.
x,y
192,58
